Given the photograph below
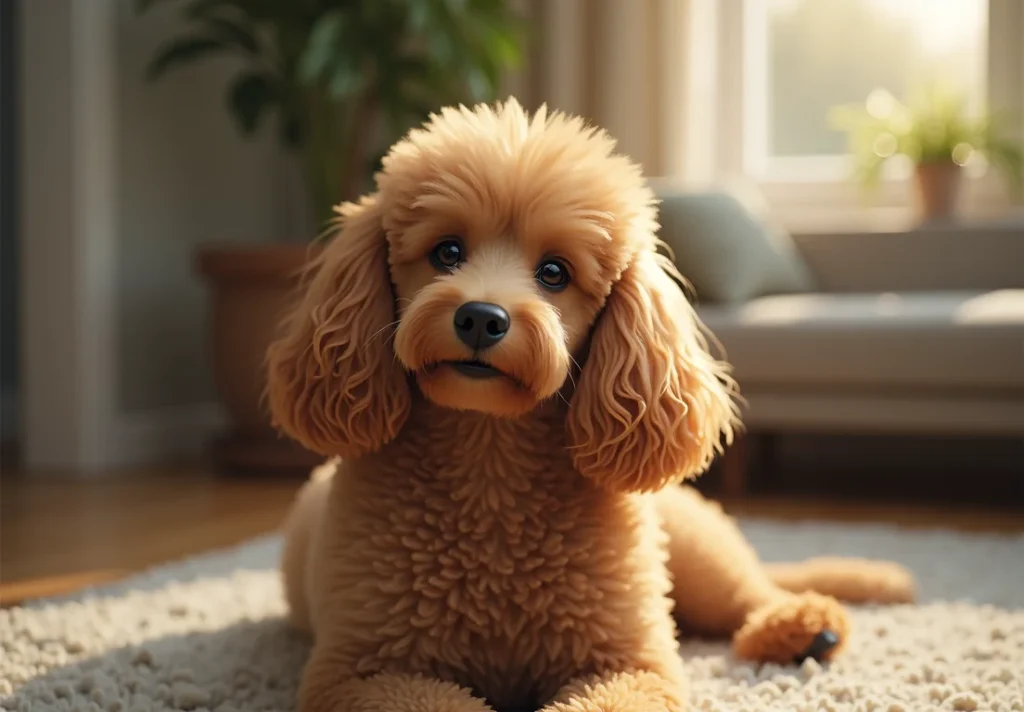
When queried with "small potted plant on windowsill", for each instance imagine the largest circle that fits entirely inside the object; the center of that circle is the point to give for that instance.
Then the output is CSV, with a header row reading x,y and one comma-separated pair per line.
x,y
937,134
342,79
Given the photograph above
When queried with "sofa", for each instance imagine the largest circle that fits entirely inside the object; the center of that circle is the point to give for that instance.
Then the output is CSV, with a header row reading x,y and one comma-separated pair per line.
x,y
908,333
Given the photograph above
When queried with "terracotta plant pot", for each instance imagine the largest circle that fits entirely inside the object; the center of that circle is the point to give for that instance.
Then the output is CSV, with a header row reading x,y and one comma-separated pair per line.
x,y
249,289
938,189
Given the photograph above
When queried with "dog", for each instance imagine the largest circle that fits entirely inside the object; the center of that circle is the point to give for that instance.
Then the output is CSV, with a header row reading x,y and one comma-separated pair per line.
x,y
510,385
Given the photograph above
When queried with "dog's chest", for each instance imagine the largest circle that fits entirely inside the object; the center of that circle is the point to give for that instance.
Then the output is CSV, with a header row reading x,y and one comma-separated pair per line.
x,y
489,558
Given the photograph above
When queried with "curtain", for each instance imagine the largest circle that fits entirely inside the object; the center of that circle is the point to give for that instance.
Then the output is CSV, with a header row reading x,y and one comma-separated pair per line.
x,y
641,69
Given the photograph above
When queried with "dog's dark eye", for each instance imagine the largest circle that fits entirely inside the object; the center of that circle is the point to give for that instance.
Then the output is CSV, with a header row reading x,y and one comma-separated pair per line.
x,y
447,255
553,274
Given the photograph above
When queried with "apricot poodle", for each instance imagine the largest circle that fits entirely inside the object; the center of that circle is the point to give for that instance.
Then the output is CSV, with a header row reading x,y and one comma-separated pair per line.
x,y
511,387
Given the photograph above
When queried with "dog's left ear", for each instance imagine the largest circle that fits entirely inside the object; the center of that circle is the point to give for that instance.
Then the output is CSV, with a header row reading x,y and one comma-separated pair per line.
x,y
334,383
653,406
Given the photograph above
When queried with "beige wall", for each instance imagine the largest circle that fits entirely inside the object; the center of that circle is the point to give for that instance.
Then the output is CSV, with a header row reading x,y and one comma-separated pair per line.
x,y
185,177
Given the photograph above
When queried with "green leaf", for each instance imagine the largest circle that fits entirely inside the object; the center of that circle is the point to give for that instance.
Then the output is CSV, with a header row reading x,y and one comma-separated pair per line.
x,y
480,85
420,17
347,80
182,51
233,33
320,52
504,47
442,47
249,96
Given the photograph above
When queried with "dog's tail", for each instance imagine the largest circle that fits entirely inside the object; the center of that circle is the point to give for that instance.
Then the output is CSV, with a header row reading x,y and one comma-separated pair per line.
x,y
851,580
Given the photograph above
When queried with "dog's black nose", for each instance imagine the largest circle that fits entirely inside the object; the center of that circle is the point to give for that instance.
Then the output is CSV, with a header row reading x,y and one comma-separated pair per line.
x,y
481,324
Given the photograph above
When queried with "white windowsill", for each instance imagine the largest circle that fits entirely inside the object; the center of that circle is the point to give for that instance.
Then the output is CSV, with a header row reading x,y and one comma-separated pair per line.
x,y
842,206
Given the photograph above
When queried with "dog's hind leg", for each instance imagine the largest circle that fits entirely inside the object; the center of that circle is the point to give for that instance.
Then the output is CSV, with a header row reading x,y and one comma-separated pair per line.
x,y
721,588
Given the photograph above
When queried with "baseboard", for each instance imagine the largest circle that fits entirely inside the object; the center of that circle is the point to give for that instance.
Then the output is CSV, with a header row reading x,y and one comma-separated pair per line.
x,y
177,434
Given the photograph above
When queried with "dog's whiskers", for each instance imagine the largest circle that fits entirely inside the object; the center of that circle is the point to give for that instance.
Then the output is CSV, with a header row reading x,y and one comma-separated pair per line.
x,y
569,373
378,331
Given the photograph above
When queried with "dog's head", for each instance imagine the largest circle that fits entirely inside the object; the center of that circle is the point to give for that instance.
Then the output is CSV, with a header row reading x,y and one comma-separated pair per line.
x,y
499,253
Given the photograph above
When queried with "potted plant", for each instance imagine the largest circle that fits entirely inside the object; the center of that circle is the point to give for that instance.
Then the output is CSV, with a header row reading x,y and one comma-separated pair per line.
x,y
936,133
341,80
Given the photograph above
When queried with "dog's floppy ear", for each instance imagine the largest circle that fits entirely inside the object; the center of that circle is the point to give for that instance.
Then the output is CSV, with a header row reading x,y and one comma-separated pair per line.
x,y
333,382
653,406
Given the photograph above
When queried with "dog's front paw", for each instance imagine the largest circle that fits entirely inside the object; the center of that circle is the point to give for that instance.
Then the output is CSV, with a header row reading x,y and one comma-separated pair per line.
x,y
620,692
793,628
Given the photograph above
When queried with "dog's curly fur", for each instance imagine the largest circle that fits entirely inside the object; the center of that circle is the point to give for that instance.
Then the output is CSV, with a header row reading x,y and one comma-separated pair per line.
x,y
479,544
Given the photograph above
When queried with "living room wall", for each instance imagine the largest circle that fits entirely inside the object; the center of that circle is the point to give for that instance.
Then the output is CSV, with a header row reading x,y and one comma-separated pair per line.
x,y
120,180
186,177
8,228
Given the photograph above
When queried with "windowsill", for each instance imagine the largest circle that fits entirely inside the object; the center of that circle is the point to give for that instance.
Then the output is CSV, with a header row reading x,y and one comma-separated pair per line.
x,y
841,206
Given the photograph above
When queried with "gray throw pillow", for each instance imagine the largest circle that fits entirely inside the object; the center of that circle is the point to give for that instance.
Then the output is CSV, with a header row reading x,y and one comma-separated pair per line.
x,y
725,251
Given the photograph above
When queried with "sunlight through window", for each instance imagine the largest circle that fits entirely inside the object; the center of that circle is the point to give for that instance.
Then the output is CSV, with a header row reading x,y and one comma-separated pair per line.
x,y
805,56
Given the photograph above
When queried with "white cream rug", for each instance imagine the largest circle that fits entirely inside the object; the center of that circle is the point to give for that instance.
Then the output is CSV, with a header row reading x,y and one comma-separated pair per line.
x,y
207,635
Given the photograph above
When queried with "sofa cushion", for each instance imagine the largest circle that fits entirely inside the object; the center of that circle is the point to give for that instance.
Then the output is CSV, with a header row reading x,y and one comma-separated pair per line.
x,y
727,252
922,340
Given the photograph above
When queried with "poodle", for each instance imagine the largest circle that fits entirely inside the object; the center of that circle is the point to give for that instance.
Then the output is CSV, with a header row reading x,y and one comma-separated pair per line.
x,y
511,386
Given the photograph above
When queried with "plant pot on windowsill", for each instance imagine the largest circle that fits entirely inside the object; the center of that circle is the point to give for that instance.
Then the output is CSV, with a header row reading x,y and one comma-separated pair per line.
x,y
936,130
938,189
249,289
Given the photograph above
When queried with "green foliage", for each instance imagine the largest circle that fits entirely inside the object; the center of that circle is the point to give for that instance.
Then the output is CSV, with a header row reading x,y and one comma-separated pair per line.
x,y
933,126
345,78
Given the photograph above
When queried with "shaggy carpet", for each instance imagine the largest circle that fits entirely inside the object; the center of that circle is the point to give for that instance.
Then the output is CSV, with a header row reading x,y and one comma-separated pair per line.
x,y
207,635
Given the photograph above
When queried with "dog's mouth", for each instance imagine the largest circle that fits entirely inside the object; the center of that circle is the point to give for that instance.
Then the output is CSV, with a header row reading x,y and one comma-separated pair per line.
x,y
475,368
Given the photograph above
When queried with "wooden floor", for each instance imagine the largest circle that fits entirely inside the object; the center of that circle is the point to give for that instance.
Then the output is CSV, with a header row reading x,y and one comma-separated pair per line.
x,y
58,534
61,533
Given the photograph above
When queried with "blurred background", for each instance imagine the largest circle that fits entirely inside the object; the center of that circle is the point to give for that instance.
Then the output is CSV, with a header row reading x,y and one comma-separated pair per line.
x,y
841,182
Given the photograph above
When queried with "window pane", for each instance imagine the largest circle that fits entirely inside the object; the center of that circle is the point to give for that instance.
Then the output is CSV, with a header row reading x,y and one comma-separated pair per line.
x,y
827,52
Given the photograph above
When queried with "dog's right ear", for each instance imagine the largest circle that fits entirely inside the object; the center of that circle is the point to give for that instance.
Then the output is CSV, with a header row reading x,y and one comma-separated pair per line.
x,y
652,406
333,382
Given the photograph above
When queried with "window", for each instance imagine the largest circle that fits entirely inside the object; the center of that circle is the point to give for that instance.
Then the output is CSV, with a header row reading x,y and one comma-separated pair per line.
x,y
805,56
783,64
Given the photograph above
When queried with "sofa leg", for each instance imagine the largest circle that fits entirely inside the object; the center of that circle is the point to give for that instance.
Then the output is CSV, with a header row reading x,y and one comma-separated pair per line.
x,y
736,468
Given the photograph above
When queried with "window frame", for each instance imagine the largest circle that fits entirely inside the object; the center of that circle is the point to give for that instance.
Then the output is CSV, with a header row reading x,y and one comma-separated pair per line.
x,y
834,200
